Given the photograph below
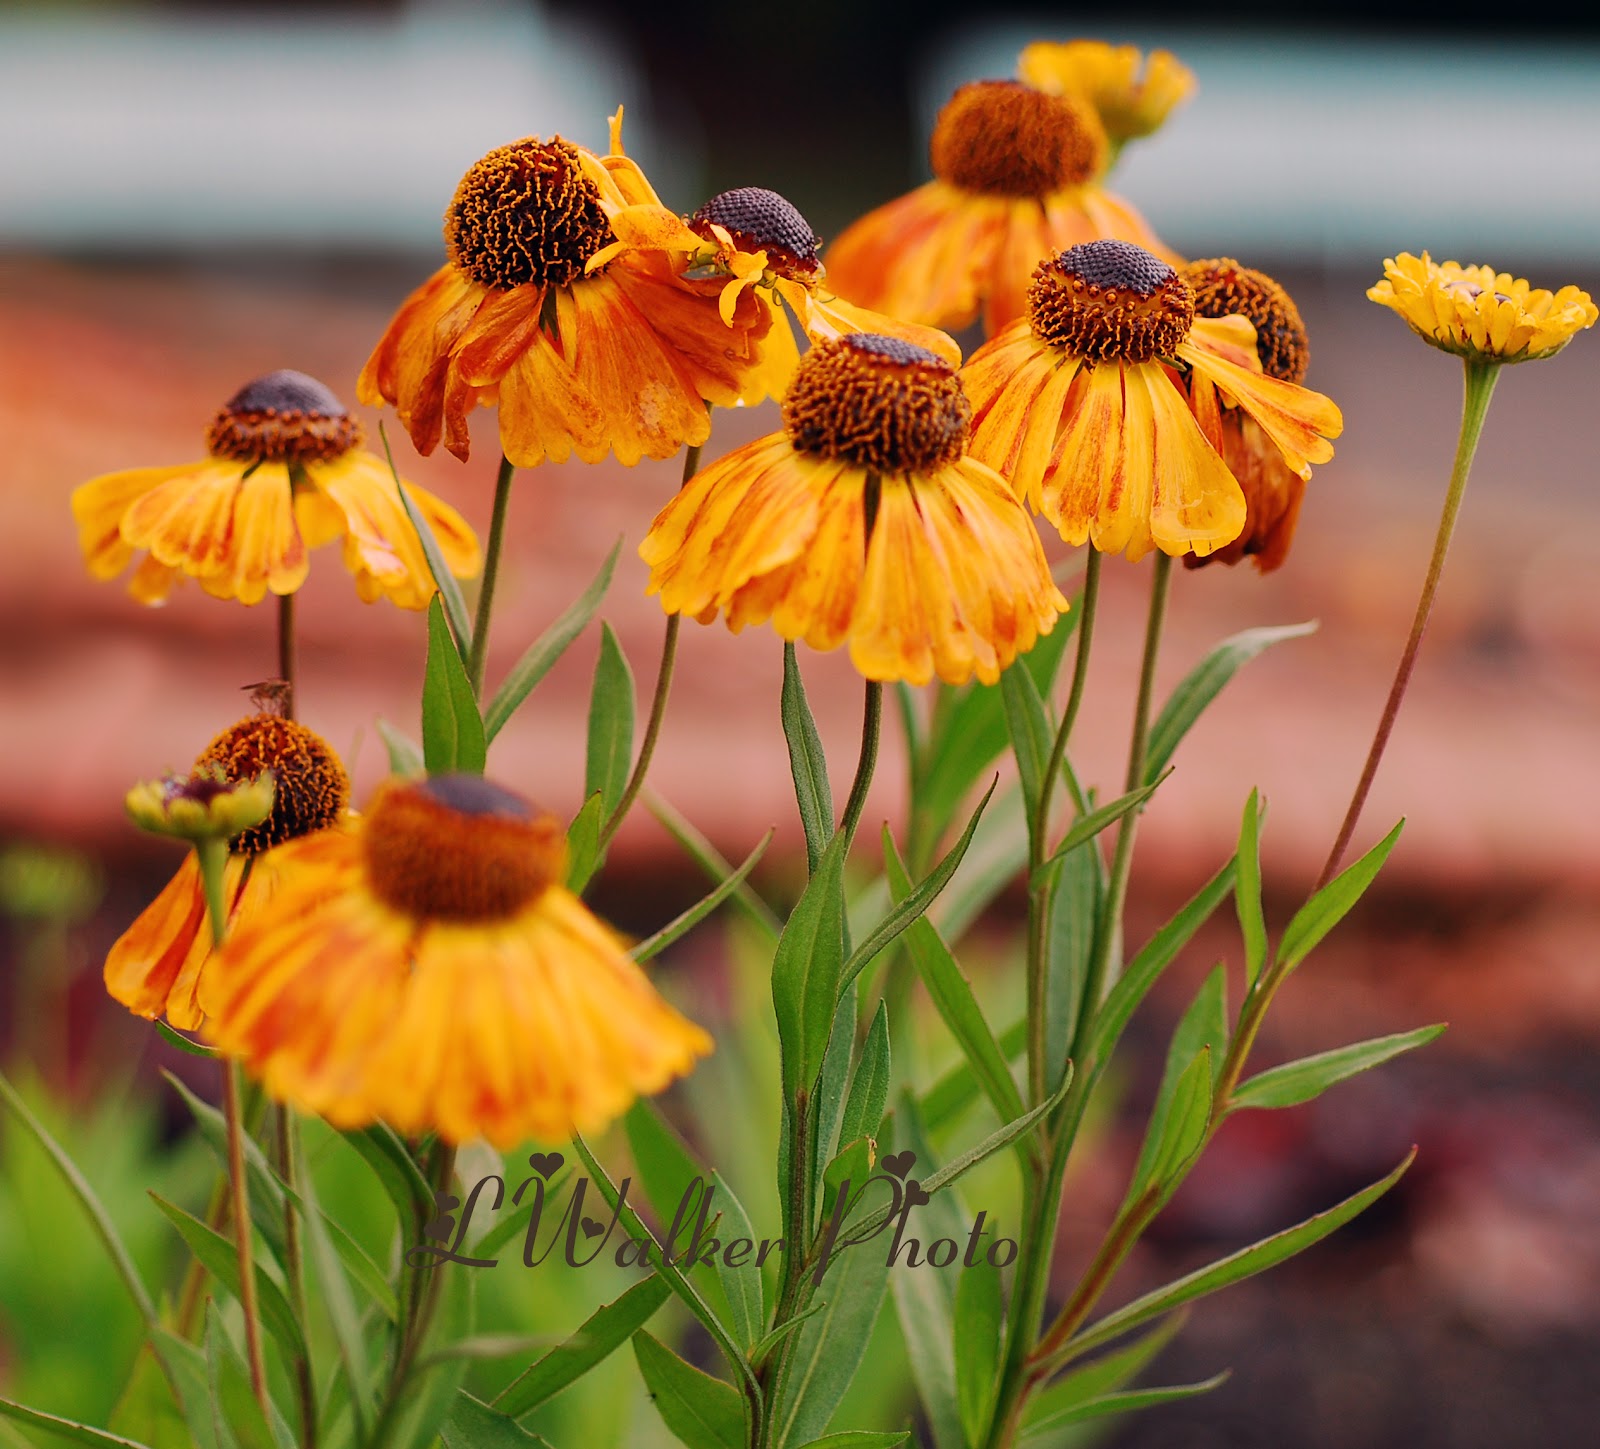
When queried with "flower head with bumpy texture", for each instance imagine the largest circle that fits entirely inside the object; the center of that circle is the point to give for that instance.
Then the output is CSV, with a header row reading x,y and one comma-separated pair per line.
x,y
1273,491
759,244
1017,178
1133,94
1102,407
1477,312
581,358
863,521
433,972
158,964
286,474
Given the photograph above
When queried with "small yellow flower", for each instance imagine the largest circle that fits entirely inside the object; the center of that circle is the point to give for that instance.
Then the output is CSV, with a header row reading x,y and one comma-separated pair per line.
x,y
1017,178
863,521
759,242
1103,405
1132,93
429,969
286,474
620,359
1476,312
157,965
201,806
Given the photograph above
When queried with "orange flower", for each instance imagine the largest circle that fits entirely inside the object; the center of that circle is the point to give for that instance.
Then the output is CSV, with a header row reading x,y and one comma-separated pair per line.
x,y
1018,176
620,359
428,969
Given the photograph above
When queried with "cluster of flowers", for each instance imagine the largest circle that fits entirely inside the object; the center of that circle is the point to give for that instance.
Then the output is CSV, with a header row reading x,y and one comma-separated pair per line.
x,y
423,963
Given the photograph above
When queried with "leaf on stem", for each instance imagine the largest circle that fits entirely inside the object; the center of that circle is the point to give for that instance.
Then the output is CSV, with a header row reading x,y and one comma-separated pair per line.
x,y
1032,738
583,843
1202,685
610,742
66,1428
1086,827
710,860
807,763
681,925
1247,890
869,1086
474,1425
232,1397
542,654
452,728
1306,1079
449,589
979,1314
806,971
1123,1403
1105,1375
703,1412
1328,906
404,757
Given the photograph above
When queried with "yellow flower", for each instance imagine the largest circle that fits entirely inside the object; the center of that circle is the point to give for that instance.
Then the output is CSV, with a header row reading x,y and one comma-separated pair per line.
x,y
1273,491
863,521
429,970
621,359
1133,94
757,241
286,474
1478,312
1018,177
204,806
1102,405
158,964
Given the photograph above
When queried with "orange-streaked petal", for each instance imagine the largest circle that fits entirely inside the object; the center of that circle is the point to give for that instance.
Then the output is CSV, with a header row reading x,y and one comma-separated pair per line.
x,y
1196,504
99,507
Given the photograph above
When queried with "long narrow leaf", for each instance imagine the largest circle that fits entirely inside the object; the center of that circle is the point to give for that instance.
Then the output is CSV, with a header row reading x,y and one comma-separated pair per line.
x,y
1328,906
807,763
610,738
869,1084
806,972
66,1428
542,654
1308,1078
452,728
474,1425
711,861
705,1413
338,1299
1105,1375
1088,826
1247,890
1031,735
1125,1402
445,581
681,925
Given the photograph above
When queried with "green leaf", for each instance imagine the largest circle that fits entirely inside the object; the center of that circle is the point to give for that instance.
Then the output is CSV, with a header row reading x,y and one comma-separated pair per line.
x,y
1202,685
922,1307
1308,1078
449,590
1328,906
952,996
859,1439
391,1164
1032,738
66,1428
1157,954
1086,827
583,843
834,1078
1185,1123
681,925
1236,1267
869,1087
452,728
542,654
806,972
404,757
1247,890
999,851
1074,906
913,905
610,748
474,1425
232,1397
433,1389
79,1186
705,1413
1105,1375
221,1259
1124,1403
959,1088
1199,1043
853,1163
807,763
182,1042
604,1331
978,1318
759,1353
710,860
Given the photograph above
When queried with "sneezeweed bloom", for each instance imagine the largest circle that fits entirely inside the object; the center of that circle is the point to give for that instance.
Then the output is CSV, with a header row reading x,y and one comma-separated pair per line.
x,y
622,358
1018,177
863,520
1273,491
286,473
159,963
1133,94
756,241
431,971
1089,405
1479,313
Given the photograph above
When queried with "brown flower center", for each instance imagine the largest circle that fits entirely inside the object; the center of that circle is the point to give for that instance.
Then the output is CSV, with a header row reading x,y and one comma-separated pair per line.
x,y
1110,301
761,220
885,405
1009,139
284,417
458,848
311,789
526,213
1222,288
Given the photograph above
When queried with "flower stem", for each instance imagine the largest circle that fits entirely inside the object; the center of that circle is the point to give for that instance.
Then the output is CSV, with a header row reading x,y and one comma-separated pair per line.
x,y
658,701
871,729
294,1270
1481,375
286,652
478,654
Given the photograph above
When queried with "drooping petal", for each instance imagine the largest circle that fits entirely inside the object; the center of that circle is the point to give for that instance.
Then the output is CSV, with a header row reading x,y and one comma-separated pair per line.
x,y
99,507
1196,504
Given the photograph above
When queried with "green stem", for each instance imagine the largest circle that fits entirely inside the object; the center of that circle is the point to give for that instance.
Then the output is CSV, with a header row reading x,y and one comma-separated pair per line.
x,y
1481,376
478,655
871,729
1038,827
658,701
294,1270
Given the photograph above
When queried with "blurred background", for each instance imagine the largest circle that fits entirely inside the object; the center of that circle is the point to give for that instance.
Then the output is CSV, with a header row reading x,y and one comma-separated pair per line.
x,y
191,195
